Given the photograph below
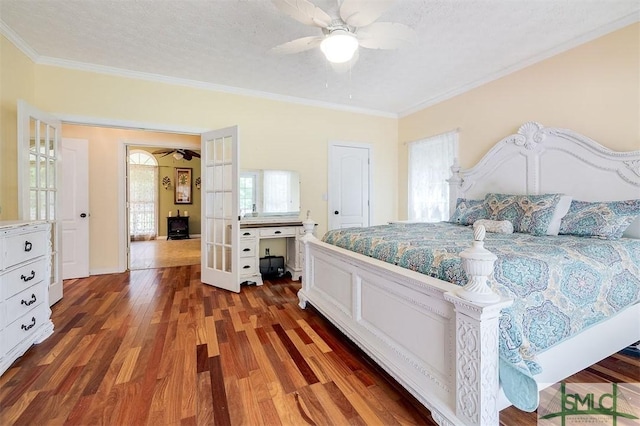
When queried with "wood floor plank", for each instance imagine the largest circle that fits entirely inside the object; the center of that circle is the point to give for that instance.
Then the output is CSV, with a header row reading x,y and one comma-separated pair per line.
x,y
159,347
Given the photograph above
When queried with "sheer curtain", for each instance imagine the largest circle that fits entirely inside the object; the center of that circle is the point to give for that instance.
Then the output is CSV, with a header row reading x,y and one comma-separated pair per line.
x,y
143,189
277,190
429,168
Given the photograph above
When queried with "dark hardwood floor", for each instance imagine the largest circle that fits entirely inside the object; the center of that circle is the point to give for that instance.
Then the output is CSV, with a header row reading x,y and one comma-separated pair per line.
x,y
158,347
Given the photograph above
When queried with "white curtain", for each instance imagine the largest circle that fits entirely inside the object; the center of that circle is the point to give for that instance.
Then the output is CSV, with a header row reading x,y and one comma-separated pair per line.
x,y
143,189
429,168
277,190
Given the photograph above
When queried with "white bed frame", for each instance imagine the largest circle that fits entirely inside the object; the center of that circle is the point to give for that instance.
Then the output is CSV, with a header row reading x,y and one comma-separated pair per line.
x,y
441,347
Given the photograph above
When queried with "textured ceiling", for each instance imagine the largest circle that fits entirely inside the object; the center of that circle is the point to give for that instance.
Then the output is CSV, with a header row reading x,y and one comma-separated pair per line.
x,y
226,43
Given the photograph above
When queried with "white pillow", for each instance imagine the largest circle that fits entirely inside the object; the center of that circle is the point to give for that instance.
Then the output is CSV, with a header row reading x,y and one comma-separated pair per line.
x,y
561,210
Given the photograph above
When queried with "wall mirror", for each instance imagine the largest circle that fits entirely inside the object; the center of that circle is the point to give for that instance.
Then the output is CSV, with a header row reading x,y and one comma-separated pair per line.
x,y
265,193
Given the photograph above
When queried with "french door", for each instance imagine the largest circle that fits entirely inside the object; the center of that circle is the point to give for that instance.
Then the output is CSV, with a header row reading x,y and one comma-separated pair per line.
x,y
39,181
220,209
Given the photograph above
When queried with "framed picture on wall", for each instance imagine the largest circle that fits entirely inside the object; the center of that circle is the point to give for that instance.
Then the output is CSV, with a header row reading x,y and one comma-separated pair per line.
x,y
183,186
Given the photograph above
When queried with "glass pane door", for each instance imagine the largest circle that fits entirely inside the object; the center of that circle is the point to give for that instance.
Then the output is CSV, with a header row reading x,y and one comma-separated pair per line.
x,y
220,209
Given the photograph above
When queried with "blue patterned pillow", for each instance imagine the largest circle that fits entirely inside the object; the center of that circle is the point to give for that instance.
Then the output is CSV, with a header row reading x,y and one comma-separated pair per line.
x,y
529,214
468,211
607,220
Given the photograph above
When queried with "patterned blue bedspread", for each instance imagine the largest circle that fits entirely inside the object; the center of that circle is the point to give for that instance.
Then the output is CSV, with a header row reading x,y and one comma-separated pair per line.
x,y
560,284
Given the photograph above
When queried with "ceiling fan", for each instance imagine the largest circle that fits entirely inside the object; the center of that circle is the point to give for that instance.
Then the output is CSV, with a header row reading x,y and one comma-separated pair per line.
x,y
178,154
353,25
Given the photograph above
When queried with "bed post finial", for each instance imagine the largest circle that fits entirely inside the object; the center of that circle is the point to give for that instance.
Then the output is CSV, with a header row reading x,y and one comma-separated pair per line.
x,y
308,225
478,263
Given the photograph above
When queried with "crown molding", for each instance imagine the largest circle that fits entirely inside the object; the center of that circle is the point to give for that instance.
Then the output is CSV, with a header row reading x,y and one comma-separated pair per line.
x,y
119,72
18,42
592,35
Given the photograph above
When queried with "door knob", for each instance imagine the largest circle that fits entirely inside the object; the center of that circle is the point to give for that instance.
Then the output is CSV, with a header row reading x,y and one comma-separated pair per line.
x,y
83,215
336,212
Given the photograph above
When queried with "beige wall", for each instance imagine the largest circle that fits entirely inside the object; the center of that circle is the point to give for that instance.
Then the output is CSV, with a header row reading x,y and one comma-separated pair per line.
x,y
593,89
104,145
16,82
273,135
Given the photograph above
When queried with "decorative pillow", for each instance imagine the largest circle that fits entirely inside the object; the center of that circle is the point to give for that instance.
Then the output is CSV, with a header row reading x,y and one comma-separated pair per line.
x,y
495,226
607,220
468,211
561,210
530,214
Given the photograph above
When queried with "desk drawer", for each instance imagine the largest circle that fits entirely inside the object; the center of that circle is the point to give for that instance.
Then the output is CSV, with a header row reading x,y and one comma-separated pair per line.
x,y
247,248
15,281
277,232
248,266
248,233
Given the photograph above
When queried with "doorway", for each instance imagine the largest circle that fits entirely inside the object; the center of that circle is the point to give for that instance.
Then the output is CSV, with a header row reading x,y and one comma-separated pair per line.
x,y
163,194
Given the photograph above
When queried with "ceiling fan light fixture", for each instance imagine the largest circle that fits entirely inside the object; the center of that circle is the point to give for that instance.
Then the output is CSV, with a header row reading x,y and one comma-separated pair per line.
x,y
178,155
339,46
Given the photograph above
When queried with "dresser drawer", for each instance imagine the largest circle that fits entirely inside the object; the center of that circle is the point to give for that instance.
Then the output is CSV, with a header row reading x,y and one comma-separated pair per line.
x,y
277,232
25,276
25,326
22,247
24,301
247,248
248,266
248,233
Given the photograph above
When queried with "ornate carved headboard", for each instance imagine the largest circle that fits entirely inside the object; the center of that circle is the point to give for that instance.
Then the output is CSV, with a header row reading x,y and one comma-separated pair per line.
x,y
539,160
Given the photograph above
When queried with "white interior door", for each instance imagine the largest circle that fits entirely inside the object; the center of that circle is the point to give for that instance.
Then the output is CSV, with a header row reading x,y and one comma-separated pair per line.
x,y
220,209
349,175
75,208
39,180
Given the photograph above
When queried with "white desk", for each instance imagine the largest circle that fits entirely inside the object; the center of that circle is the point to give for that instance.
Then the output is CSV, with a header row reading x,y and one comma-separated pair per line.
x,y
251,232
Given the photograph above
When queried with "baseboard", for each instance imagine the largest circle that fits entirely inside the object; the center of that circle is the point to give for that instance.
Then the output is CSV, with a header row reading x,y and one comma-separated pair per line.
x,y
104,271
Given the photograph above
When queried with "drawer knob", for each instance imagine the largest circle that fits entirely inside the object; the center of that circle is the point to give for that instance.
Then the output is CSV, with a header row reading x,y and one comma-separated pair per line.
x,y
30,277
246,267
278,232
27,246
247,233
27,327
29,302
246,249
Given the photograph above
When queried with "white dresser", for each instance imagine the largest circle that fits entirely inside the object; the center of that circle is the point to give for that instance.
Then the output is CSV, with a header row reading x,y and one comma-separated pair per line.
x,y
25,265
250,235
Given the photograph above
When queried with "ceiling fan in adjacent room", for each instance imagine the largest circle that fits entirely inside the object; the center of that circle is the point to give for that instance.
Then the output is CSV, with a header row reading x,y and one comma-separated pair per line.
x,y
178,154
352,26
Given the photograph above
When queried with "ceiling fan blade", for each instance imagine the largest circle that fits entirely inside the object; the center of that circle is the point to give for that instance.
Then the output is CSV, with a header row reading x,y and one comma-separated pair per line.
x,y
345,66
193,153
304,11
360,13
297,45
385,35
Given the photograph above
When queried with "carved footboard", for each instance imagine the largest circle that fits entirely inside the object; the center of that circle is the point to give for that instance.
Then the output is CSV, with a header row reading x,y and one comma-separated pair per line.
x,y
442,347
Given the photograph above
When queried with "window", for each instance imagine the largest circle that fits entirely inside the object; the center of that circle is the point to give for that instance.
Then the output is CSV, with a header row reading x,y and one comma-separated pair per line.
x,y
277,190
430,161
247,193
143,192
